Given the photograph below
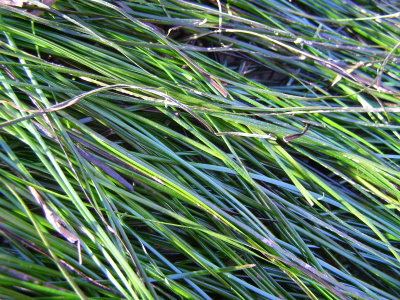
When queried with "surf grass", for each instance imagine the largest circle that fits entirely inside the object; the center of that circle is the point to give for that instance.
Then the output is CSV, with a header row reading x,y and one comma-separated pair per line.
x,y
200,150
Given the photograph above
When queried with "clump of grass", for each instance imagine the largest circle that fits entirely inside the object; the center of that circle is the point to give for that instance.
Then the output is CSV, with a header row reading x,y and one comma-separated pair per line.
x,y
200,150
